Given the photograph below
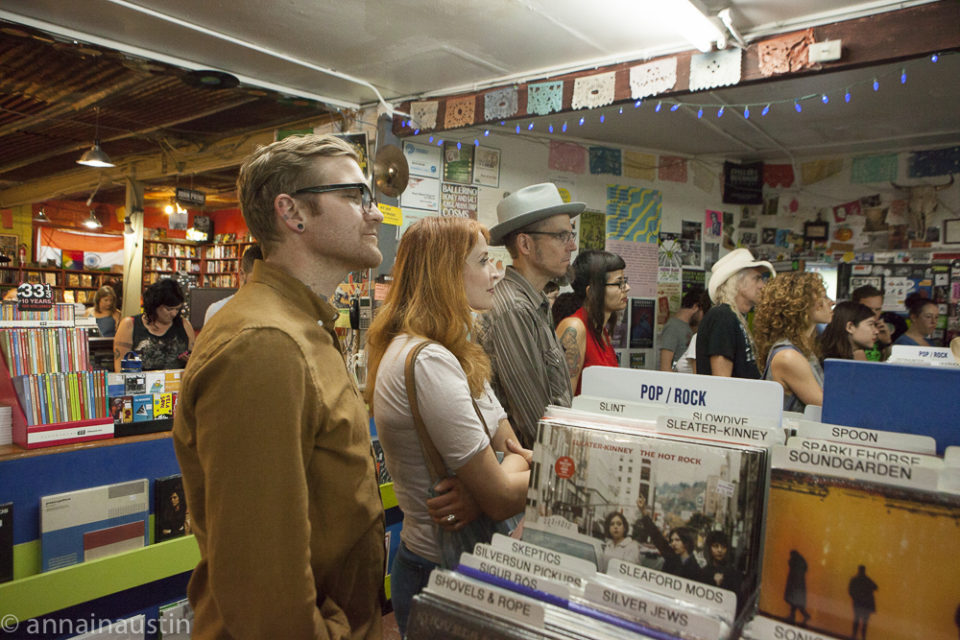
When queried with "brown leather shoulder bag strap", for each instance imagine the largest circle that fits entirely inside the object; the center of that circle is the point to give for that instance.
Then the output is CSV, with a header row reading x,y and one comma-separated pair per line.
x,y
435,465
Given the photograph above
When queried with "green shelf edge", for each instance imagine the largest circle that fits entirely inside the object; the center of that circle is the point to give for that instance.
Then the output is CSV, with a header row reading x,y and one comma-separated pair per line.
x,y
47,592
42,593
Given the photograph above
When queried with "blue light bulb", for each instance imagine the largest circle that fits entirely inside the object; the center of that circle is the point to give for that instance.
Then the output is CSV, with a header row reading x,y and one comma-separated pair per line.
x,y
458,145
765,111
659,105
637,103
675,107
720,112
416,131
796,105
699,113
621,111
846,96
486,132
530,127
876,85
430,139
581,122
476,142
746,112
440,142
518,128
602,118
935,57
550,128
824,99
564,128
903,76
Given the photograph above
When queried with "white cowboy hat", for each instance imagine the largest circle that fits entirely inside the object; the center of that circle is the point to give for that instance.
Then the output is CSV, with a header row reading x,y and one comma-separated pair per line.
x,y
731,264
529,205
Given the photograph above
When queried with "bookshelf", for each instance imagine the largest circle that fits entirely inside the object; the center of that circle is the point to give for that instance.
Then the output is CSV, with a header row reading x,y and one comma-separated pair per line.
x,y
213,265
82,285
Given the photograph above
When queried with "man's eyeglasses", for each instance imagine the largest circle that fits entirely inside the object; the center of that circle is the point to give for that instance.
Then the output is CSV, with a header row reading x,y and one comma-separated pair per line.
x,y
563,236
366,195
621,283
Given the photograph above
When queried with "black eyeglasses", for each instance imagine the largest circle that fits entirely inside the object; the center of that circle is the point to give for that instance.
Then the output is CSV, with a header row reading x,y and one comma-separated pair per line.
x,y
366,195
621,283
563,236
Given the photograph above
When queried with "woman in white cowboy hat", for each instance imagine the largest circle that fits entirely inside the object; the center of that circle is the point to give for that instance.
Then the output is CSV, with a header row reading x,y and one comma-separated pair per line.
x,y
724,344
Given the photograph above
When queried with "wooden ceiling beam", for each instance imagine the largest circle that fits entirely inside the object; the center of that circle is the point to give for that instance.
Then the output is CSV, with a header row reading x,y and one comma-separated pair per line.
x,y
223,154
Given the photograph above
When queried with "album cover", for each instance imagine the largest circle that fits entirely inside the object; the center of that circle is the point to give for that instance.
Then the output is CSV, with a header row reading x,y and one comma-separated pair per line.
x,y
673,500
142,407
6,542
170,514
843,556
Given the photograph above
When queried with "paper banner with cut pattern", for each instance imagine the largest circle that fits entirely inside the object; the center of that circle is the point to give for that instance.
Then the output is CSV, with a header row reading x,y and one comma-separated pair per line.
x,y
424,114
673,169
590,92
639,165
715,69
653,78
882,168
567,156
500,104
544,97
605,160
460,112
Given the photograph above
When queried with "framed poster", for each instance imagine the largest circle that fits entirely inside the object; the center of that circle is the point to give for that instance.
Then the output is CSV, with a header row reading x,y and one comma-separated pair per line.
x,y
423,160
457,162
486,167
951,231
8,245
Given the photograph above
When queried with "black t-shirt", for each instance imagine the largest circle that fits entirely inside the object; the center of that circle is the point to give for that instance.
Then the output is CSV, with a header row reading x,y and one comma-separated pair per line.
x,y
722,334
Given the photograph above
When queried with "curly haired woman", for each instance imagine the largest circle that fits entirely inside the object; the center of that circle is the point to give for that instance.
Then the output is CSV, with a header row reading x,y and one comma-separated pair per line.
x,y
784,327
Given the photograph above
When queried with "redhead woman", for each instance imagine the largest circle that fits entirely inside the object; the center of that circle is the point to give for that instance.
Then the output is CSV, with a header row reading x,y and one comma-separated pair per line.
x,y
788,312
601,290
442,274
852,331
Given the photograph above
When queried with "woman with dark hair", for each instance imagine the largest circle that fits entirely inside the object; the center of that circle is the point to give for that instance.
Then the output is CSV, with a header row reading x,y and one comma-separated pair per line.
x,y
923,313
160,335
720,570
601,289
788,311
850,333
619,545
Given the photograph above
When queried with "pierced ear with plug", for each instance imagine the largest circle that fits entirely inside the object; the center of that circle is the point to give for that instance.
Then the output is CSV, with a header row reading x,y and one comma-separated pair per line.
x,y
300,227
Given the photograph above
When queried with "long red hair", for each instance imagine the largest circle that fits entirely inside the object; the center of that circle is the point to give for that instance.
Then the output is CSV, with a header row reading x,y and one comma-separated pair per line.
x,y
428,298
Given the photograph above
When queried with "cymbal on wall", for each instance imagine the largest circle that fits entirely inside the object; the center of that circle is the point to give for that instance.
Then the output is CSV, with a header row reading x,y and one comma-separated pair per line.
x,y
390,171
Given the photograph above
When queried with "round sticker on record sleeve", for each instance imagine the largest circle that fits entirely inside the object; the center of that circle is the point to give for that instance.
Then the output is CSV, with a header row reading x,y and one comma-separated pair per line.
x,y
564,467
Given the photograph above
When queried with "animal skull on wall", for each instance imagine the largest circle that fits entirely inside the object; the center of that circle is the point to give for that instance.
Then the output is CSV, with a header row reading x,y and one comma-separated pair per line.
x,y
922,202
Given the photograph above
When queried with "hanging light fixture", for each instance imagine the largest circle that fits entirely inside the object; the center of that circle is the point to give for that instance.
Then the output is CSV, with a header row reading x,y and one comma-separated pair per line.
x,y
92,222
41,216
95,156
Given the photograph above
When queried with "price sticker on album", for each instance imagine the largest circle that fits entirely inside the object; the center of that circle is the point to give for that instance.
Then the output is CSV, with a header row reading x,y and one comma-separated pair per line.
x,y
34,296
564,467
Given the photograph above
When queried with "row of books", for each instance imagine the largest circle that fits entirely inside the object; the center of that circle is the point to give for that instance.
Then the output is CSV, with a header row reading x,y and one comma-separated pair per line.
x,y
218,252
9,312
221,265
49,350
172,264
176,250
49,398
225,280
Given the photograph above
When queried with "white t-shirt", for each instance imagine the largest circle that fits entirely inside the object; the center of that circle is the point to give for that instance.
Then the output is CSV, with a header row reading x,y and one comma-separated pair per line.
x,y
216,306
684,364
627,550
443,396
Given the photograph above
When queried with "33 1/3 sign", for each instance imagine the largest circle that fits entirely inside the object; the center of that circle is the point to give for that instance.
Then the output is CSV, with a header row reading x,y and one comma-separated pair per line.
x,y
34,296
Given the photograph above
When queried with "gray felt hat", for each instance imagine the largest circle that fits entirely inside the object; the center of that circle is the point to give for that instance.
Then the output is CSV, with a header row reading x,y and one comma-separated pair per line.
x,y
528,205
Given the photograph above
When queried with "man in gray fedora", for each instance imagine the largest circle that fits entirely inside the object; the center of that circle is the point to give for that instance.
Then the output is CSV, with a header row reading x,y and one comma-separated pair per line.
x,y
530,372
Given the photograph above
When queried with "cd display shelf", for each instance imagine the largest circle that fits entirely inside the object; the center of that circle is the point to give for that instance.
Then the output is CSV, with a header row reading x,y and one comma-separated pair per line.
x,y
115,585
83,284
214,265
46,434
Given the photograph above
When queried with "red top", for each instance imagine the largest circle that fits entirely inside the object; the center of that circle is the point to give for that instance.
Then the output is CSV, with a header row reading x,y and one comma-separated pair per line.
x,y
597,353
